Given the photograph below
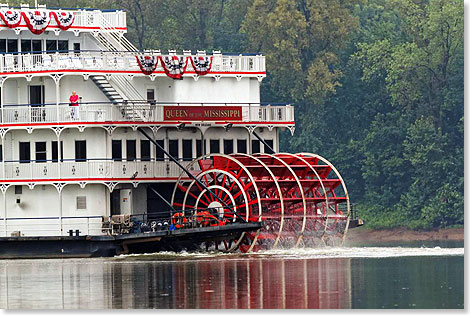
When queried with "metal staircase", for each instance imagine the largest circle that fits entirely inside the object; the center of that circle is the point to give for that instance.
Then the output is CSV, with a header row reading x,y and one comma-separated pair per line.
x,y
103,84
118,88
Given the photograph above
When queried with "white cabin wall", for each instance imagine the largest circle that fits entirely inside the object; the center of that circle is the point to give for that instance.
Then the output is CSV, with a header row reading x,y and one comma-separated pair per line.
x,y
205,89
86,89
255,86
139,200
11,93
17,90
96,143
29,207
97,204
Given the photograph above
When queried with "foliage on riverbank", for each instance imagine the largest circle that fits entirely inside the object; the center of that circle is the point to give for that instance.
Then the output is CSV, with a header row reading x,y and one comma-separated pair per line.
x,y
377,84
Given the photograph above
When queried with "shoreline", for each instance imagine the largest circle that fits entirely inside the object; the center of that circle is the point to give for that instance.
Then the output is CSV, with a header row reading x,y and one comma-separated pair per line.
x,y
363,234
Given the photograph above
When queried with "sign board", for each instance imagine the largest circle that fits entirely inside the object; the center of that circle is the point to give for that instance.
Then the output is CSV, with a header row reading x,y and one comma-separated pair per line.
x,y
202,113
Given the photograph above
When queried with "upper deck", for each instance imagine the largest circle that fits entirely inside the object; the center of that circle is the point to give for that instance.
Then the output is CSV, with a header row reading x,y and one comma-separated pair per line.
x,y
85,20
30,64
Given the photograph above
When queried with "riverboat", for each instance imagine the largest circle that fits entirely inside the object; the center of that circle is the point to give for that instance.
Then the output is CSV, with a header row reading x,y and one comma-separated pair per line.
x,y
109,150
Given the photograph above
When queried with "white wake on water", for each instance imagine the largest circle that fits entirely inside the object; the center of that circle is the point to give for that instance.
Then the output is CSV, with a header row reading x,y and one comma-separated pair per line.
x,y
314,253
361,252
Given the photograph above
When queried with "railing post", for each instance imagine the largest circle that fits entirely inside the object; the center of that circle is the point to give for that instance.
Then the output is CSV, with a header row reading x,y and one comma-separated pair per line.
x,y
2,81
60,211
3,158
57,98
4,192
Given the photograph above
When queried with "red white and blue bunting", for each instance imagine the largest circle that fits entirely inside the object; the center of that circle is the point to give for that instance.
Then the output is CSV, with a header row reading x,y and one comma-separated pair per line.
x,y
174,66
147,64
11,18
64,19
201,64
37,20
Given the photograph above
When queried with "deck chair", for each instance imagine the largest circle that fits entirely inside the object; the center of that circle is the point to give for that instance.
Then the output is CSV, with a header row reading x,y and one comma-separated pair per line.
x,y
46,61
27,62
9,62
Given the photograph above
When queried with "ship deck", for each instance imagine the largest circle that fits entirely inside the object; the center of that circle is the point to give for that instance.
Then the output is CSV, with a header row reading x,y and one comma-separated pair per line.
x,y
109,246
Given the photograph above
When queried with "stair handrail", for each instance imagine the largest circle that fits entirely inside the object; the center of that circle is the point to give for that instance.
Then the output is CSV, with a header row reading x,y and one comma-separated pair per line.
x,y
109,29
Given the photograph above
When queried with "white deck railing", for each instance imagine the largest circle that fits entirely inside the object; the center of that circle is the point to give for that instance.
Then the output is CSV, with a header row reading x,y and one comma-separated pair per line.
x,y
86,21
109,61
132,112
52,226
104,170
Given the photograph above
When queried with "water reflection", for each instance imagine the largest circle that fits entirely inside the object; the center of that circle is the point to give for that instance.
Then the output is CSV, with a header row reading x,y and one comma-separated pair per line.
x,y
234,281
228,283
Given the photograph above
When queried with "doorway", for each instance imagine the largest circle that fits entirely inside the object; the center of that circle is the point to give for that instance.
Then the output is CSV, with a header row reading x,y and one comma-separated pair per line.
x,y
36,100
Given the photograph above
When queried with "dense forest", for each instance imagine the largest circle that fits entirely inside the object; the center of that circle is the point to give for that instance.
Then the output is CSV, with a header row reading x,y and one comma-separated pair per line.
x,y
377,84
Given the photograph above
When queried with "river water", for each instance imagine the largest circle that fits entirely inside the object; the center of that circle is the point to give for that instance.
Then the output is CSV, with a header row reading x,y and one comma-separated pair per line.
x,y
411,275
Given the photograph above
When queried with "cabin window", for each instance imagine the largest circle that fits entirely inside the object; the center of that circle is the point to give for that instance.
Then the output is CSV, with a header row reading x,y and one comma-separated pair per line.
x,y
25,152
173,148
63,45
12,45
228,146
51,45
54,45
81,202
41,153
18,190
215,146
76,47
131,150
3,46
160,156
255,146
80,150
1,153
198,148
28,45
187,150
267,149
55,151
145,150
116,148
241,146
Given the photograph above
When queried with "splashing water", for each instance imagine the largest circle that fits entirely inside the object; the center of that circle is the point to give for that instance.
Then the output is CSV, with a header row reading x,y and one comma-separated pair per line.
x,y
311,253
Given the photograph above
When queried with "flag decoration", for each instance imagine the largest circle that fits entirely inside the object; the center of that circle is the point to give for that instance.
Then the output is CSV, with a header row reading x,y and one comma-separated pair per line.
x,y
64,19
37,21
201,64
174,66
147,64
11,18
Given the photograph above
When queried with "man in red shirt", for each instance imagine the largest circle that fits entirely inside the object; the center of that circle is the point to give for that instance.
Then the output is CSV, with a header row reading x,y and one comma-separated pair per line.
x,y
74,106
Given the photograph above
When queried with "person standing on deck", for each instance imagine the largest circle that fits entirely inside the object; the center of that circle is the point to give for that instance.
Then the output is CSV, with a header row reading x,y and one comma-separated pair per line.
x,y
74,106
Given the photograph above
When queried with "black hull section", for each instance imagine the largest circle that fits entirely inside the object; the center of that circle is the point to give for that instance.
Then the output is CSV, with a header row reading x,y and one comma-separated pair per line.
x,y
109,246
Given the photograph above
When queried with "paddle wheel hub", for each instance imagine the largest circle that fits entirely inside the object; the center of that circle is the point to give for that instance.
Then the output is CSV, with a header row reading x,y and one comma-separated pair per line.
x,y
301,198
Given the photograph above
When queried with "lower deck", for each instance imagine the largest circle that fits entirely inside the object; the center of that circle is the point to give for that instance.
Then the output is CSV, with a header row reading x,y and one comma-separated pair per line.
x,y
109,246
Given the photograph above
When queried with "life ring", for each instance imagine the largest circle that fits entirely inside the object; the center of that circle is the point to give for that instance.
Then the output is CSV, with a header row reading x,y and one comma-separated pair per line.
x,y
178,220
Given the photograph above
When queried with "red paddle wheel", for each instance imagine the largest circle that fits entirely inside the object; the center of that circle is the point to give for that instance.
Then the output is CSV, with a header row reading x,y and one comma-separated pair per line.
x,y
301,198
